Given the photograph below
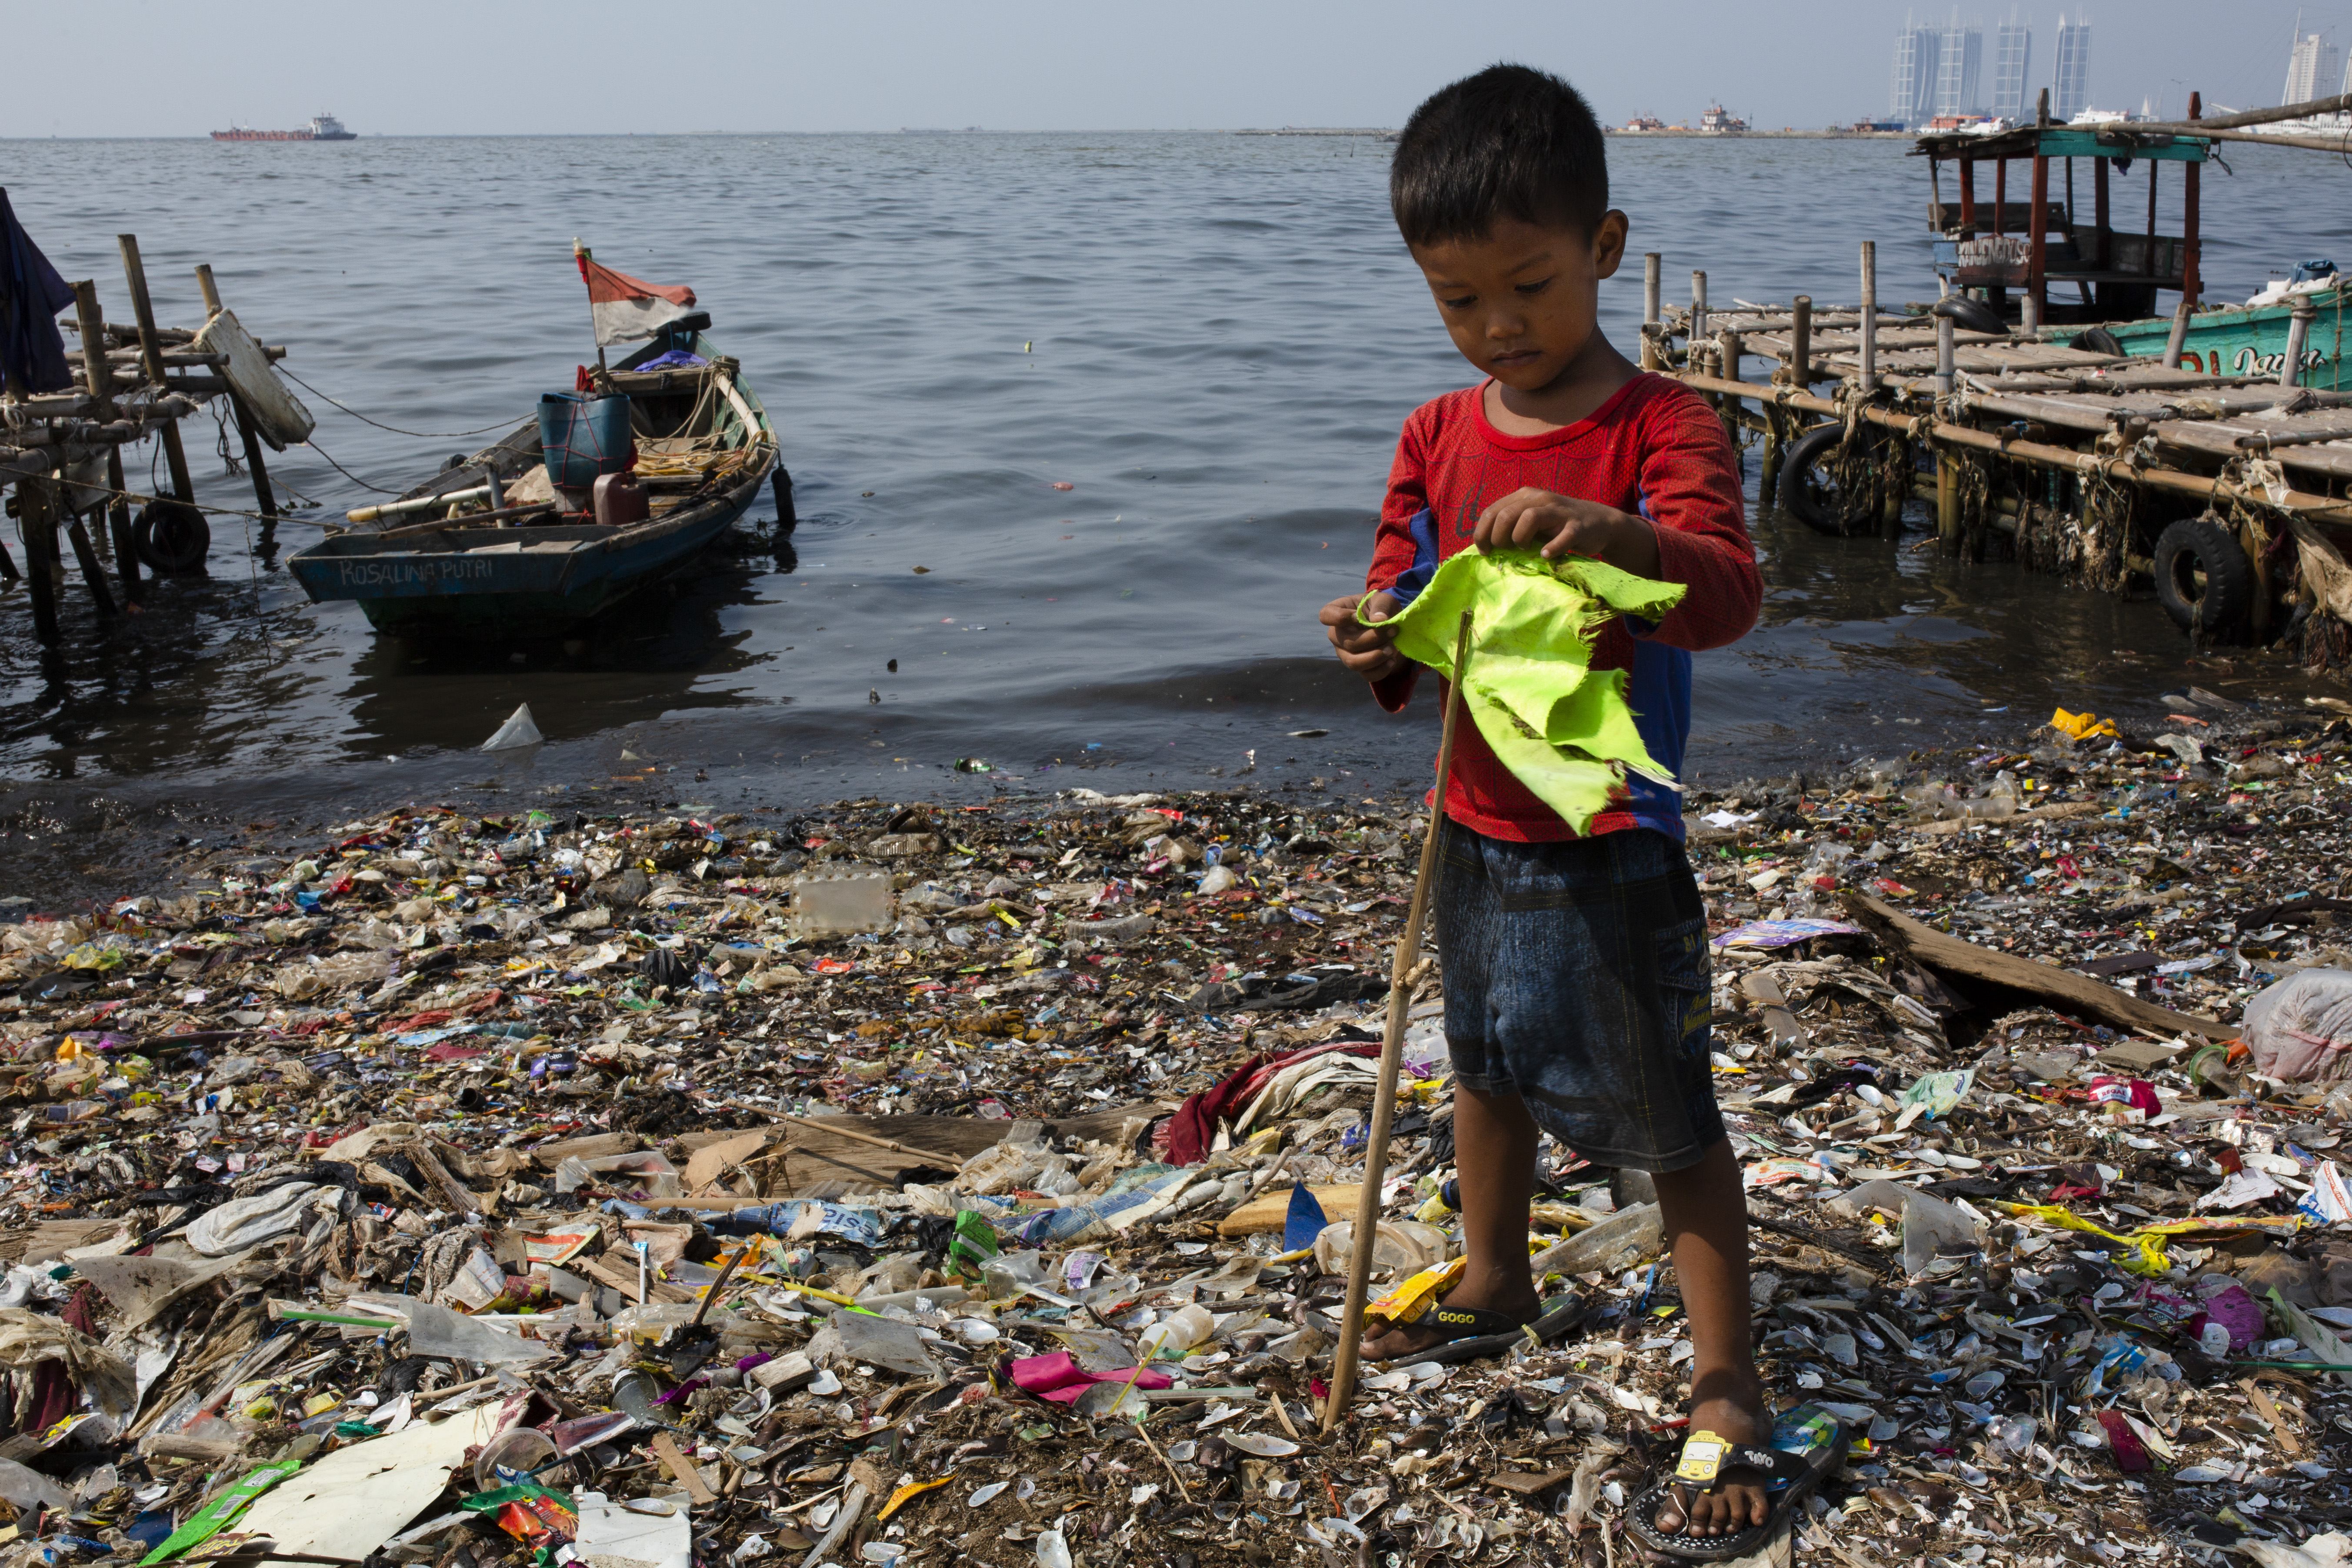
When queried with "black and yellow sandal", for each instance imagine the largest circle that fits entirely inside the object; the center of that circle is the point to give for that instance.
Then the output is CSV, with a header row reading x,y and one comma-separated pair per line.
x,y
1808,1444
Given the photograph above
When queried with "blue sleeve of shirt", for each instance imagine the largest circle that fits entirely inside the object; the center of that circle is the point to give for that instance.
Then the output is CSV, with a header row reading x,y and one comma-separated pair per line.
x,y
1416,577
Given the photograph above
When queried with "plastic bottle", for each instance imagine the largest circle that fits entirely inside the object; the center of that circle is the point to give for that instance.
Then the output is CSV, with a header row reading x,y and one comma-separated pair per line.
x,y
1176,1333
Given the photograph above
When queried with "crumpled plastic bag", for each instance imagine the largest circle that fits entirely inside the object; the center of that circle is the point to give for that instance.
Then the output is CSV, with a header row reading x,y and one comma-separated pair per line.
x,y
2299,1029
241,1222
28,1338
1564,731
2082,726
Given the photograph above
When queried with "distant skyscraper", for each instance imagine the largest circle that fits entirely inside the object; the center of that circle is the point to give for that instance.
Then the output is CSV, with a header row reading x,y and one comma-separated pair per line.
x,y
1959,56
1913,98
2070,94
2311,69
2013,52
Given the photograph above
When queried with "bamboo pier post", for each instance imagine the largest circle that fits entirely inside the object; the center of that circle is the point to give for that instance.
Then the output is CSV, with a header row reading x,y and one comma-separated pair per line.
x,y
1698,308
37,526
1869,372
2036,304
117,523
1728,349
1948,476
99,380
1652,309
151,346
261,491
2298,333
2178,339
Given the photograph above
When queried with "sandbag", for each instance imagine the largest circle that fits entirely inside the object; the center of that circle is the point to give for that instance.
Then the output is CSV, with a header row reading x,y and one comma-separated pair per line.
x,y
2299,1029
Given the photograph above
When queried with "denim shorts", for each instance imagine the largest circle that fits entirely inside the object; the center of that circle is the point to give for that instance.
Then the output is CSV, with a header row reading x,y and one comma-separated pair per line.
x,y
1576,978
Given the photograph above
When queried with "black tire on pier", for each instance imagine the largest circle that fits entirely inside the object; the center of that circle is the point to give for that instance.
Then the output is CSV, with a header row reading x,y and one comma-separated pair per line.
x,y
2203,579
171,537
1809,490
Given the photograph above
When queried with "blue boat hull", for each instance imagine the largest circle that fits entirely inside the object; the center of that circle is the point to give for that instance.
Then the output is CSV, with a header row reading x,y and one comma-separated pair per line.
x,y
462,578
508,581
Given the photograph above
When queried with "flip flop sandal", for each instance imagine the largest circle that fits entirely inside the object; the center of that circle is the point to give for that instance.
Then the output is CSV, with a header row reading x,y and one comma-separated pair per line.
x,y
1455,1324
1561,1313
1808,1443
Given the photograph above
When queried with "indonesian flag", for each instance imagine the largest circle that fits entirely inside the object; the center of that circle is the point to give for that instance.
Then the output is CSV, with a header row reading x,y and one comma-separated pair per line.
x,y
627,308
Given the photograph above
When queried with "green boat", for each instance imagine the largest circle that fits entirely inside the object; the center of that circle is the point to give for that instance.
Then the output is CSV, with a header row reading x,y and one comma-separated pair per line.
x,y
2251,341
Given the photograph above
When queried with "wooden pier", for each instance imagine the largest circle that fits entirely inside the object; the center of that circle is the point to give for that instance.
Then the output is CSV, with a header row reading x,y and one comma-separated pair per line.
x,y
63,450
2030,437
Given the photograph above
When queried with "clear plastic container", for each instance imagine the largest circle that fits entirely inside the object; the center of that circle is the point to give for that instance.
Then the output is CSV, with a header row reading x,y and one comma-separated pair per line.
x,y
1176,1333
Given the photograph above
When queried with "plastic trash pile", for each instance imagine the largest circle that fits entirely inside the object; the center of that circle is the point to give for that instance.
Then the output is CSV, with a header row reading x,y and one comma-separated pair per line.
x,y
888,1184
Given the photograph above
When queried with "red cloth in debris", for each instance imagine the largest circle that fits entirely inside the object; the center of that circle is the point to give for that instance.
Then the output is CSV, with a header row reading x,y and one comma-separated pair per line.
x,y
1060,1378
1194,1128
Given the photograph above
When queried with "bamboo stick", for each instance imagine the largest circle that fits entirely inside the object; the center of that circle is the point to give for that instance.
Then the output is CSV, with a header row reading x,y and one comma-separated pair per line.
x,y
1403,974
151,346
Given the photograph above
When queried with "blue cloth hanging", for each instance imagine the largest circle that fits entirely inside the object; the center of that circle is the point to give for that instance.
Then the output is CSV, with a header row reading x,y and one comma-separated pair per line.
x,y
32,350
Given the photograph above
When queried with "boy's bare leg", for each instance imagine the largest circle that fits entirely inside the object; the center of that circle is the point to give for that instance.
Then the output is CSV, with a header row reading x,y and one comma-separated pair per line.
x,y
1494,1156
1704,1209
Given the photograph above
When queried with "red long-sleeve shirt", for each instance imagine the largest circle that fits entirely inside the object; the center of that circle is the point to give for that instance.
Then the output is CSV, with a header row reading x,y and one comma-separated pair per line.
x,y
1655,448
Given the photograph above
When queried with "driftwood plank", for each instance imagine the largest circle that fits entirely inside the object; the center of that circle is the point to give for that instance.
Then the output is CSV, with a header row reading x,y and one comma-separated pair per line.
x,y
2061,988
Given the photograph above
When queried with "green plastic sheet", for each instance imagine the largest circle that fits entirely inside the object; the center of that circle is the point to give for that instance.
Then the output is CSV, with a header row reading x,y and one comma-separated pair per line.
x,y
1563,728
209,1521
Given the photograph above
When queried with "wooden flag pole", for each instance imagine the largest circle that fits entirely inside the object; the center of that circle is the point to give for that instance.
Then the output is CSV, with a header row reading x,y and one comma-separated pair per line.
x,y
1405,974
581,254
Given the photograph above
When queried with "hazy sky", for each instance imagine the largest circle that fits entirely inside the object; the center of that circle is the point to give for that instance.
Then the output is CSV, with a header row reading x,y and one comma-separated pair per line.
x,y
432,67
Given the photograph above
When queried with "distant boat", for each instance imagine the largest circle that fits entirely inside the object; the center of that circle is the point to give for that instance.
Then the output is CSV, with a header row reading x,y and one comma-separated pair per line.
x,y
322,127
1720,121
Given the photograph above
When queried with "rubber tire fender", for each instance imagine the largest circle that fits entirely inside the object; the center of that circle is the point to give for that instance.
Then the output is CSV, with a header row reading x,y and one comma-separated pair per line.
x,y
1796,497
2228,601
171,537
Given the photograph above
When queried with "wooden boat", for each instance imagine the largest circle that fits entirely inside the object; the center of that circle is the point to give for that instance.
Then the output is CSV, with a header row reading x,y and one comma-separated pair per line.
x,y
2251,341
704,448
2023,258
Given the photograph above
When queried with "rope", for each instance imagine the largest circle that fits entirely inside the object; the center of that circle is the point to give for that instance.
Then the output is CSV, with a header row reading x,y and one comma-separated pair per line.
x,y
425,435
347,473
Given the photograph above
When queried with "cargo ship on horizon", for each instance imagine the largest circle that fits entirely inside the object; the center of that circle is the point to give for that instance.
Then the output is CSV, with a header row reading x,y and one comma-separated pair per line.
x,y
322,127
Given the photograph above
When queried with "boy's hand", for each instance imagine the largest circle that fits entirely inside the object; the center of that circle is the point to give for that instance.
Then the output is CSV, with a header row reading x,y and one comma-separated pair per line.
x,y
1532,519
1362,649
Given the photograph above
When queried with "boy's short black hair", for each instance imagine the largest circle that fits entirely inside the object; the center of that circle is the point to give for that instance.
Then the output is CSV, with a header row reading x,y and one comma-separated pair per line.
x,y
1511,141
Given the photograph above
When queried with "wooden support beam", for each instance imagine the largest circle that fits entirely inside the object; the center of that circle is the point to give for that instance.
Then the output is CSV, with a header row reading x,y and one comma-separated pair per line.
x,y
1867,379
117,523
93,571
2099,212
37,525
1800,341
2037,253
151,348
260,470
2191,283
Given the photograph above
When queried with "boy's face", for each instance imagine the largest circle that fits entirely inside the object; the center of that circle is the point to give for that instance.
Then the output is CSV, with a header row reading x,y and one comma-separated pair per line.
x,y
1522,302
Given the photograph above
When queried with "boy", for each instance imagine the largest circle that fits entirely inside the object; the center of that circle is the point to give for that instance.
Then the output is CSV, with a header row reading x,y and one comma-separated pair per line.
x,y
1576,969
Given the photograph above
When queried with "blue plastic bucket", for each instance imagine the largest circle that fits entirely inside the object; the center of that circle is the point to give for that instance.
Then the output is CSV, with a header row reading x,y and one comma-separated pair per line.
x,y
582,437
